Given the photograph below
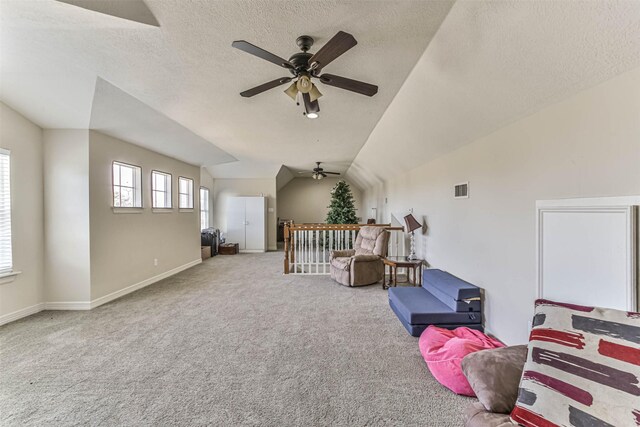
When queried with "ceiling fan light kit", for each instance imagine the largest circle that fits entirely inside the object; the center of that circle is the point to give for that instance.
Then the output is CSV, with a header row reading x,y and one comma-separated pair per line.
x,y
305,66
319,173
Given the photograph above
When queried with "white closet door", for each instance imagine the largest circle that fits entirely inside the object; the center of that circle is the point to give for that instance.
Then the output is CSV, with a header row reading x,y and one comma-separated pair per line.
x,y
255,224
236,221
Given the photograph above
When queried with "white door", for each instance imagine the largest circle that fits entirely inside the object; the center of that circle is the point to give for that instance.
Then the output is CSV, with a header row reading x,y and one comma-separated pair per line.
x,y
236,221
255,224
587,251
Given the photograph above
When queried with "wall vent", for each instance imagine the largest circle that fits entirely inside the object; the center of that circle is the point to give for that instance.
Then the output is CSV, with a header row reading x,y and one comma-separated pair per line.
x,y
461,191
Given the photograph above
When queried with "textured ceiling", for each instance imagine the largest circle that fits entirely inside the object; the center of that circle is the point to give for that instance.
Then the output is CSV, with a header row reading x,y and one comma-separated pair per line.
x,y
493,62
120,115
488,63
134,10
51,54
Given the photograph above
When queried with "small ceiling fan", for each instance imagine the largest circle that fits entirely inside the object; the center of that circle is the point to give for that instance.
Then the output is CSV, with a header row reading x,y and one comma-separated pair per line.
x,y
305,66
319,173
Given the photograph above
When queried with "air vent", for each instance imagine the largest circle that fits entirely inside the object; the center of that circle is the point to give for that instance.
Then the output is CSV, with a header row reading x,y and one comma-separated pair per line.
x,y
461,191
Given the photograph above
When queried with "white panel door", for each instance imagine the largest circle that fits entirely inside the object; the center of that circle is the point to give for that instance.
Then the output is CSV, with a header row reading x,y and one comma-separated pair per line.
x,y
586,255
236,221
255,224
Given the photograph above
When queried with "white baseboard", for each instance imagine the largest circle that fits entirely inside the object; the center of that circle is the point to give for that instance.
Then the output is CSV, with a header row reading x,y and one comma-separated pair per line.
x,y
19,314
124,291
68,305
88,305
252,251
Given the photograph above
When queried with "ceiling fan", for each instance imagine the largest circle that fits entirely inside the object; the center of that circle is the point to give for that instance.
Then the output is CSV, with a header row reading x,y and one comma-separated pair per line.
x,y
319,173
305,66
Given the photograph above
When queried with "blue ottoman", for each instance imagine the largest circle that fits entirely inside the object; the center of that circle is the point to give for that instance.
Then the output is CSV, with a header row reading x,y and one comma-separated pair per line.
x,y
443,300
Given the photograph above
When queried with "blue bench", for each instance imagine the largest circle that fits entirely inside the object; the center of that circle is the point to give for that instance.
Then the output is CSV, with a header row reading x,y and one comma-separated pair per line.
x,y
443,300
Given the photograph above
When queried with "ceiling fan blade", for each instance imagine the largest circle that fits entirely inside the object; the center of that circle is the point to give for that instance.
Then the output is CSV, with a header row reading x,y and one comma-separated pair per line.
x,y
265,86
332,173
339,44
261,53
349,84
310,106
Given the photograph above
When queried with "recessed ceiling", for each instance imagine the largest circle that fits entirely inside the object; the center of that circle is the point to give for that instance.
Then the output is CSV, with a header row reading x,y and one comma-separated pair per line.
x,y
51,54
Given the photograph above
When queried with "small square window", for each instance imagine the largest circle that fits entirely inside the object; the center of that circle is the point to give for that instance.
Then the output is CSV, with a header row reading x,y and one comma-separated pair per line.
x,y
160,190
127,182
185,193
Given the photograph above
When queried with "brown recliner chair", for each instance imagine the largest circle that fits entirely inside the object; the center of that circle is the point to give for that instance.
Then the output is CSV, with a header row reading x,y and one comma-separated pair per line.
x,y
362,265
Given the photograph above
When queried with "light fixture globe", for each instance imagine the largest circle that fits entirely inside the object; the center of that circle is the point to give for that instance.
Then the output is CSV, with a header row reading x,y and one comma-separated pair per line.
x,y
314,93
304,84
312,115
292,91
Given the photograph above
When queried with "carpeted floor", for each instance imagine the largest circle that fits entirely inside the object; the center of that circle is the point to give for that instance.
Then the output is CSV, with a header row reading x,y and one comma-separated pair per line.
x,y
229,342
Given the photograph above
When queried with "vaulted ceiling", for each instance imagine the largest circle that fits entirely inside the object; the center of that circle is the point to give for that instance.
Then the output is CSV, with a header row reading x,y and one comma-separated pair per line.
x,y
491,63
163,74
53,52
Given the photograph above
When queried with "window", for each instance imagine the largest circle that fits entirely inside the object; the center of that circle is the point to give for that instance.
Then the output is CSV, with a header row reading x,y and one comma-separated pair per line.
x,y
127,192
6,259
185,193
160,190
204,208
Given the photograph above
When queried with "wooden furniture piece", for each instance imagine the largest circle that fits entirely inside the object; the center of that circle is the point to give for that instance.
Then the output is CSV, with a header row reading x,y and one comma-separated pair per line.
x,y
247,223
229,249
414,271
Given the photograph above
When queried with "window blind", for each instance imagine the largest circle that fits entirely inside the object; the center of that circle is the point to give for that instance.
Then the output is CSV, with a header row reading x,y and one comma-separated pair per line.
x,y
6,259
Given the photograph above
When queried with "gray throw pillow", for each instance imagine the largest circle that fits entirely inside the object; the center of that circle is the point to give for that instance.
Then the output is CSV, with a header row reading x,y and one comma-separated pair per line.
x,y
494,376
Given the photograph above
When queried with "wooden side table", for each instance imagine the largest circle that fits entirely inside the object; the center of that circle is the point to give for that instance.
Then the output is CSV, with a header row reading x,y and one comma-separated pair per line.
x,y
228,249
414,267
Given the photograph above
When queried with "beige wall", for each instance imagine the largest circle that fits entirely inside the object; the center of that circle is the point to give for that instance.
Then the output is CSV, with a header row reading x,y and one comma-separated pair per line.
x,y
70,246
24,139
587,145
283,177
66,191
225,188
307,200
124,245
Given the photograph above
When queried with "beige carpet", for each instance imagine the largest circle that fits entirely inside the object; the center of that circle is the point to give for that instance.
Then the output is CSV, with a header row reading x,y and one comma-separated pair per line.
x,y
229,342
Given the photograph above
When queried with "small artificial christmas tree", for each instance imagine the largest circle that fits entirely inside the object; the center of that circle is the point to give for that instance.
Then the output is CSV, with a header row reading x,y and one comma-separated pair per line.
x,y
341,209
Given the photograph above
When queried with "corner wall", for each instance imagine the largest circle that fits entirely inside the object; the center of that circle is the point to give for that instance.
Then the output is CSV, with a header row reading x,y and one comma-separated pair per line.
x,y
585,146
66,218
124,245
25,294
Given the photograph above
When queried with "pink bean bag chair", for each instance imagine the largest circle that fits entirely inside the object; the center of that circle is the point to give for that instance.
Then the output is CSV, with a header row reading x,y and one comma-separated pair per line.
x,y
444,349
